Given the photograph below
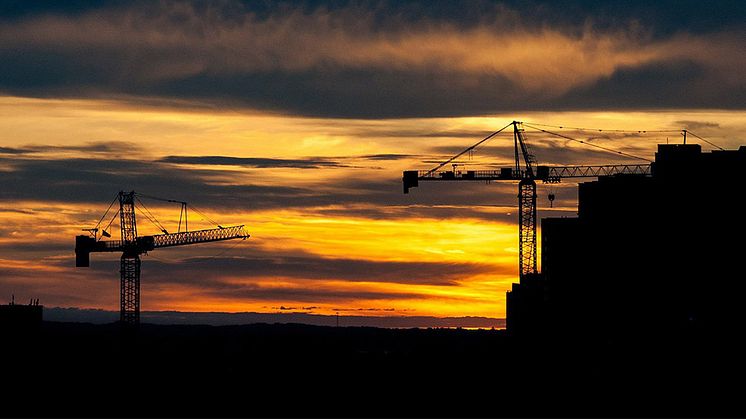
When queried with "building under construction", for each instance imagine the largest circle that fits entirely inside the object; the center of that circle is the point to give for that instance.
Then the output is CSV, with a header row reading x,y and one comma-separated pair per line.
x,y
651,253
21,318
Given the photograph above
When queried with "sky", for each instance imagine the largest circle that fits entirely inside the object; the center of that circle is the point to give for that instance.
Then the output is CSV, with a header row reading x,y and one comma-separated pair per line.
x,y
297,119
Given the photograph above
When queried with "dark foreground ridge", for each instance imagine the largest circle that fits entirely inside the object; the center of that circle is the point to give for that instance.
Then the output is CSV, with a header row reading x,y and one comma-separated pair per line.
x,y
77,369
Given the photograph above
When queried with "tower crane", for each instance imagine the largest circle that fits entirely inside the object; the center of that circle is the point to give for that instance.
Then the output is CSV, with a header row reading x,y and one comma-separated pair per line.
x,y
526,175
132,246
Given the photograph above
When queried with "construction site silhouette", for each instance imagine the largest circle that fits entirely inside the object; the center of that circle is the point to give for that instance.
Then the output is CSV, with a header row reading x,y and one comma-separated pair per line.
x,y
651,255
638,311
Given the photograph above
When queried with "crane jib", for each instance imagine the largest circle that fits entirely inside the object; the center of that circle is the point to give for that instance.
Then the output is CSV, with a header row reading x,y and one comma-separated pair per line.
x,y
199,236
85,245
411,178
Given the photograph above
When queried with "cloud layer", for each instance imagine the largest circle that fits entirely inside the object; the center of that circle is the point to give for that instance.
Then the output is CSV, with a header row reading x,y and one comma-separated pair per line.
x,y
208,102
367,61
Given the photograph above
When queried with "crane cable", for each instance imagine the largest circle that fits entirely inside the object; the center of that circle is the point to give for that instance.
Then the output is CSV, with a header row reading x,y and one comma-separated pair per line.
x,y
610,150
149,215
600,129
110,223
433,170
204,216
107,211
628,131
160,199
198,260
708,142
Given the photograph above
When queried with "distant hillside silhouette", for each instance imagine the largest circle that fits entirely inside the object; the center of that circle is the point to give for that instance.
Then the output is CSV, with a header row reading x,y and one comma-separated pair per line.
x,y
223,319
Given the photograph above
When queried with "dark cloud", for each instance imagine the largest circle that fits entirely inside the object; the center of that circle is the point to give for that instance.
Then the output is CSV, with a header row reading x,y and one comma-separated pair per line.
x,y
17,210
211,271
302,294
675,84
387,157
104,147
415,133
556,151
17,9
61,286
502,213
252,162
34,247
89,147
380,58
11,150
451,134
250,276
304,277
96,181
339,92
695,125
665,16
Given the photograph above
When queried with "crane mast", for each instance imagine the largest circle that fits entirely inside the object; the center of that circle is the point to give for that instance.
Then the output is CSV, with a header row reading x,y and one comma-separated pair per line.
x,y
527,229
129,266
132,246
526,206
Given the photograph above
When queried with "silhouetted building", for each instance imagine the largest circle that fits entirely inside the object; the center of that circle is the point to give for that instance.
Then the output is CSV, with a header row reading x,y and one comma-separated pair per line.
x,y
526,305
647,254
18,317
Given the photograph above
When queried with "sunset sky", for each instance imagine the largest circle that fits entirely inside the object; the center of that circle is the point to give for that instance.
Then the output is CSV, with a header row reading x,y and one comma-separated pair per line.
x,y
297,119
